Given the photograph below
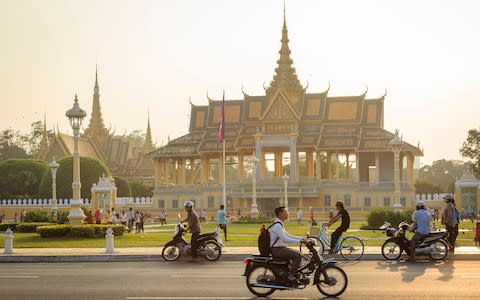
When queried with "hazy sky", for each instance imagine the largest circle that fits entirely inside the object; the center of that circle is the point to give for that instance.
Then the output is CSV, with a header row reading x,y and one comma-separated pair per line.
x,y
154,55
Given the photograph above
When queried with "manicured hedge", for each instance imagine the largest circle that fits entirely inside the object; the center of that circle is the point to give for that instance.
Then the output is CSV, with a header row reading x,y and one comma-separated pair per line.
x,y
377,216
91,169
123,188
86,231
30,227
4,226
20,178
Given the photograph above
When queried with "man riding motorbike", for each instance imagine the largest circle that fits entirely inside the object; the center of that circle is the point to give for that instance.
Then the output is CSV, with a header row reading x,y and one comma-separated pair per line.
x,y
279,237
193,227
421,222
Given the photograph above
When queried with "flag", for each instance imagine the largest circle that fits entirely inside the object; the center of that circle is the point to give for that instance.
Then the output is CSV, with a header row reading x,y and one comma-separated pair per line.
x,y
221,123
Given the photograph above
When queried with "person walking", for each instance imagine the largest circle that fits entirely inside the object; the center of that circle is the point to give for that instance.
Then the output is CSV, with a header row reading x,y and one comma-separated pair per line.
x,y
222,220
345,224
98,216
279,238
449,220
193,227
163,217
299,216
131,219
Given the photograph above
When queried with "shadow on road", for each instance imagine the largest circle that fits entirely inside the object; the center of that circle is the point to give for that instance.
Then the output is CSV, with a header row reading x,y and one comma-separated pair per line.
x,y
411,270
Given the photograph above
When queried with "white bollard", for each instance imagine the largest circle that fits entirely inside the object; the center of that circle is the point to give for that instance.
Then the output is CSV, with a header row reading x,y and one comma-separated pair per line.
x,y
8,241
109,237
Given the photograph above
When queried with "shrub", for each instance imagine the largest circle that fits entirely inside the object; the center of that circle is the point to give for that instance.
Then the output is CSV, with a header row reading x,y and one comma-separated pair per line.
x,y
53,230
36,216
140,189
62,217
377,216
20,178
12,226
83,231
90,171
30,227
123,188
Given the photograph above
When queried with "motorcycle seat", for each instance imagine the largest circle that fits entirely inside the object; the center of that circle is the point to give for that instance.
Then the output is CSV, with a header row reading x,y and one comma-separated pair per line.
x,y
436,234
208,234
270,259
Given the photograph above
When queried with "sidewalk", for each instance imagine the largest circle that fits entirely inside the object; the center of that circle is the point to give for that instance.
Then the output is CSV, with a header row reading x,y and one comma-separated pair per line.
x,y
154,254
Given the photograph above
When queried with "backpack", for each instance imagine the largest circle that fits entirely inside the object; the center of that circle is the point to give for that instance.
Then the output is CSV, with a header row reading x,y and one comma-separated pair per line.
x,y
264,241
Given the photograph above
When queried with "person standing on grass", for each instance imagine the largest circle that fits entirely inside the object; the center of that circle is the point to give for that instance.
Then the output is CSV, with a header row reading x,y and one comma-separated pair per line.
x,y
299,216
222,220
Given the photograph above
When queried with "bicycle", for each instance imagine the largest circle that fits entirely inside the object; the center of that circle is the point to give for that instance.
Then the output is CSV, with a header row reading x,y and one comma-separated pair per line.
x,y
350,247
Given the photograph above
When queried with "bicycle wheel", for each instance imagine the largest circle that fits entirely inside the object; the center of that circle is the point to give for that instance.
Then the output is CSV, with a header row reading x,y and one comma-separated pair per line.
x,y
391,250
441,250
351,248
335,282
258,276
319,246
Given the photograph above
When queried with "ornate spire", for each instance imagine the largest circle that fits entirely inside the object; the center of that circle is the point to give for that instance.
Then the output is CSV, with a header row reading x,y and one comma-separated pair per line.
x,y
96,126
148,146
285,75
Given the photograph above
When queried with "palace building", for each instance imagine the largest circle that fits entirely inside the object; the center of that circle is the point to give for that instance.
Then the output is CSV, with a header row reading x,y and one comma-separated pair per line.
x,y
121,155
290,147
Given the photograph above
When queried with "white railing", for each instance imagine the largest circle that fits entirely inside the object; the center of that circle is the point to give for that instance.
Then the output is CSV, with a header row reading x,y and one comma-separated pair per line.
x,y
119,202
429,197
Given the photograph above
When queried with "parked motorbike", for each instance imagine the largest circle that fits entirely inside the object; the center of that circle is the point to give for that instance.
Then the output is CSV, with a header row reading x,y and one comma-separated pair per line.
x,y
265,274
435,245
210,245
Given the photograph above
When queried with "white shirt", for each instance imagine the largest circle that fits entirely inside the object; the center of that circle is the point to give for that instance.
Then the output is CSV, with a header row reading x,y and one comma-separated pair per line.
x,y
278,231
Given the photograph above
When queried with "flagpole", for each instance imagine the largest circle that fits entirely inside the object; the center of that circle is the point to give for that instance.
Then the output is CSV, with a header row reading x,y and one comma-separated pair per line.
x,y
224,178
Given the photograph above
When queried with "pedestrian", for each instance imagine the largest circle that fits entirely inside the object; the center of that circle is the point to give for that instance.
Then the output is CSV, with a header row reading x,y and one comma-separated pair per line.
x,y
477,235
108,217
98,216
299,216
203,216
449,220
137,221
163,217
222,220
130,219
142,221
457,222
312,217
23,216
15,219
193,227
123,218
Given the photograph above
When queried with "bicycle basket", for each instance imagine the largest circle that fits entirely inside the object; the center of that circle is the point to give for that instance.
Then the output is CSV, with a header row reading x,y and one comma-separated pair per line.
x,y
314,231
390,231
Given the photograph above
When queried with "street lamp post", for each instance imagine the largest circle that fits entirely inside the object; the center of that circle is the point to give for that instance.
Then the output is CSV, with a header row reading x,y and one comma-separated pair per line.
x,y
75,115
285,187
253,164
396,145
53,168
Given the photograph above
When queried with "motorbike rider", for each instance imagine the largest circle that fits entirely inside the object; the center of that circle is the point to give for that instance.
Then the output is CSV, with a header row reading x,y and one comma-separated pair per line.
x,y
421,223
279,238
342,213
193,227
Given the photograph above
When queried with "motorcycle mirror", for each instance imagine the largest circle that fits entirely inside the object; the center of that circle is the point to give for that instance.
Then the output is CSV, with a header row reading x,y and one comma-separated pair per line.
x,y
179,216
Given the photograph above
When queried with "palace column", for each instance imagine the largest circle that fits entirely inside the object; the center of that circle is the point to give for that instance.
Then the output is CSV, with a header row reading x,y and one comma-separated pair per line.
x,y
347,166
181,171
278,164
410,161
293,157
309,163
337,167
241,167
204,169
377,168
158,172
318,166
357,166
329,165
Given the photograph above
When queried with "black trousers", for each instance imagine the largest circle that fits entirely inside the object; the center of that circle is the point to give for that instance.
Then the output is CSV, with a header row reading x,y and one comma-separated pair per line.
x,y
335,236
287,253
224,228
194,243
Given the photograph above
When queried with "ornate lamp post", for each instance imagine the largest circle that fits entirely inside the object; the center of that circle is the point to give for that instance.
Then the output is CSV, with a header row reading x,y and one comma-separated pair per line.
x,y
253,165
396,144
75,115
53,168
285,186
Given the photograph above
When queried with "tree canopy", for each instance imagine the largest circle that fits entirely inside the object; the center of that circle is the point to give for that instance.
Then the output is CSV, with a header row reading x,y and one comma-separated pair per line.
x,y
20,178
471,149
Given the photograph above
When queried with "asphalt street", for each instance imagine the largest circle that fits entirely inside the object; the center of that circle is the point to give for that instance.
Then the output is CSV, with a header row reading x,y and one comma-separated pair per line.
x,y
223,280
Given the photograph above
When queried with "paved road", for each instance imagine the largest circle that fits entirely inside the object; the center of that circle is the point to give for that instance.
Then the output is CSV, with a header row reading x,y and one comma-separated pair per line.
x,y
222,280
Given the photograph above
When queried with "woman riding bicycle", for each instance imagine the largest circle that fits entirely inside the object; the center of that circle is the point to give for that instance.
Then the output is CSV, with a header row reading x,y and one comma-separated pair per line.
x,y
343,214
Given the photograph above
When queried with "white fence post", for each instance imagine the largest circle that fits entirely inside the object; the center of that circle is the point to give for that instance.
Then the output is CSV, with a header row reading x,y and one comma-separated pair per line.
x,y
8,241
109,238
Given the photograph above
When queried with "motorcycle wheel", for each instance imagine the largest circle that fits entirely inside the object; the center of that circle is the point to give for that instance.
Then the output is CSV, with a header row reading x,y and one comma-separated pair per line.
x,y
391,250
260,275
213,251
335,283
170,253
441,250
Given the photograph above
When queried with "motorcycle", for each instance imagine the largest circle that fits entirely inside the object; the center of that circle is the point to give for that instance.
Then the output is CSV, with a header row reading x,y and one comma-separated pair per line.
x,y
210,245
435,245
265,274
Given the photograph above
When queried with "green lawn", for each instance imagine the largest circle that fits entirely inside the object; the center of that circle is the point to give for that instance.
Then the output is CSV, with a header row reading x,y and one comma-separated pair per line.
x,y
239,235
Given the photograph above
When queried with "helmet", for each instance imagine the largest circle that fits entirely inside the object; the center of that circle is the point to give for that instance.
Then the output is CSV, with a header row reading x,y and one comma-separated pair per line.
x,y
188,204
420,205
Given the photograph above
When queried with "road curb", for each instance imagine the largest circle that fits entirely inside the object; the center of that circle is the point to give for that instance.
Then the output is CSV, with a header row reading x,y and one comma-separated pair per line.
x,y
12,258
